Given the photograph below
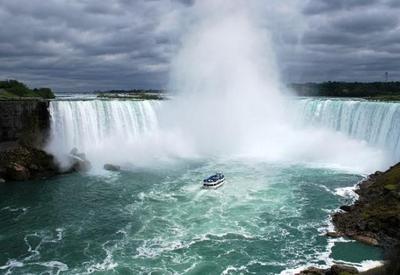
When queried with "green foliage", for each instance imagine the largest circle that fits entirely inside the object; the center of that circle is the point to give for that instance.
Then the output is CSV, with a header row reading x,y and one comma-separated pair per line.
x,y
390,187
44,92
373,90
13,89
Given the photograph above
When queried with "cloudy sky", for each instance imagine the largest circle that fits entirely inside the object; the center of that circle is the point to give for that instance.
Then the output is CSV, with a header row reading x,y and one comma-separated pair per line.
x,y
82,45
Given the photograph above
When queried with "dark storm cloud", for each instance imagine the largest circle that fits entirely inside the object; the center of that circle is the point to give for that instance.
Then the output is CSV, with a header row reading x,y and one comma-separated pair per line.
x,y
87,44
327,6
349,40
91,44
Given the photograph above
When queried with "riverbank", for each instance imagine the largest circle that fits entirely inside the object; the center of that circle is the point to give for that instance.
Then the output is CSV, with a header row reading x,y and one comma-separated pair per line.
x,y
20,162
384,91
374,219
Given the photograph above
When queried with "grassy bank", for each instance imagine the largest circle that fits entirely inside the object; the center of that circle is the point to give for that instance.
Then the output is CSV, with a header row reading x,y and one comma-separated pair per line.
x,y
15,90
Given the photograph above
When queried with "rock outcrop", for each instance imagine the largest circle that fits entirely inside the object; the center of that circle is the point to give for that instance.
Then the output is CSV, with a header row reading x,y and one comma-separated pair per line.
x,y
334,270
24,121
24,163
79,161
111,167
375,217
24,128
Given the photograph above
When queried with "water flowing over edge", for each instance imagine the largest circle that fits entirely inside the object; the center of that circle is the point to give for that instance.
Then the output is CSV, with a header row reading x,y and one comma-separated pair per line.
x,y
127,132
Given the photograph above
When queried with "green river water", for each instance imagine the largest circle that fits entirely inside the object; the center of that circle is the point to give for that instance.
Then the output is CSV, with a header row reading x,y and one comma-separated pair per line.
x,y
267,219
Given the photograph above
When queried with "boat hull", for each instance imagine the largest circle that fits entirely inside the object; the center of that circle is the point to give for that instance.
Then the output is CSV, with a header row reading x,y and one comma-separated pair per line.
x,y
213,185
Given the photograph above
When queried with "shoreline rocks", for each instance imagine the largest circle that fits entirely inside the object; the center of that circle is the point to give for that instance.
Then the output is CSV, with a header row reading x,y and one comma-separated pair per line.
x,y
25,163
79,161
333,270
374,219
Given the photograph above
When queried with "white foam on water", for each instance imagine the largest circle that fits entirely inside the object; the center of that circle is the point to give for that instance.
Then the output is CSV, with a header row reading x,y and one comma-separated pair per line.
x,y
347,192
54,265
108,262
12,264
369,264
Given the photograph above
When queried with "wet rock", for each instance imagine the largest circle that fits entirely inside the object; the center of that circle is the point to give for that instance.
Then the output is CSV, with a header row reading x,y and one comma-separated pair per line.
x,y
33,167
346,208
24,162
81,165
334,234
342,269
79,161
111,167
333,270
74,151
375,217
366,240
2,180
312,271
15,171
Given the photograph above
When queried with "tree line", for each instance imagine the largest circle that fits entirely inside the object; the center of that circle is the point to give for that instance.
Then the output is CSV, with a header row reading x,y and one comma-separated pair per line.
x,y
347,89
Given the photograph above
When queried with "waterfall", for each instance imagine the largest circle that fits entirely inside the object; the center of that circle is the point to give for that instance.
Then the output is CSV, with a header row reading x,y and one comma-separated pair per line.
x,y
132,132
94,126
377,123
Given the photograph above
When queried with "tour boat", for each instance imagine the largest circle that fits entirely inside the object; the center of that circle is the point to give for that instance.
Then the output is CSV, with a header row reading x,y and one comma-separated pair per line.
x,y
214,182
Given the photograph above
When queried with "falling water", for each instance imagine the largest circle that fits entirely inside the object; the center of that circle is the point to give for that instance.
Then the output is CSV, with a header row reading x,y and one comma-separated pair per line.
x,y
376,123
99,128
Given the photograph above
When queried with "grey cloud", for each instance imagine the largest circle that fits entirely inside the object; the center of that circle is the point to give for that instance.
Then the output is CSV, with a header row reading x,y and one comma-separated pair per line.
x,y
348,40
87,45
324,6
88,41
366,23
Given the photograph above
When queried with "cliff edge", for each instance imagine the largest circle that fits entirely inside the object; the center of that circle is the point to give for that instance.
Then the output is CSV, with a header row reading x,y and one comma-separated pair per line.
x,y
24,128
373,219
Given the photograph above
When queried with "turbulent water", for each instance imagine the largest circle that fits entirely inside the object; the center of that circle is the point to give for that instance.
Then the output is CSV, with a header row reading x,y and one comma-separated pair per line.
x,y
268,218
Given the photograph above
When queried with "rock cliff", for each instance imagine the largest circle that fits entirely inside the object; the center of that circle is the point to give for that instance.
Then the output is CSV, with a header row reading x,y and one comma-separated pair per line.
x,y
24,121
24,127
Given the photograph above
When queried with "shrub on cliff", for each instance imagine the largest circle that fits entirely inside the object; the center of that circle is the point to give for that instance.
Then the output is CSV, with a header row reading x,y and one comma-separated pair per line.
x,y
44,92
10,89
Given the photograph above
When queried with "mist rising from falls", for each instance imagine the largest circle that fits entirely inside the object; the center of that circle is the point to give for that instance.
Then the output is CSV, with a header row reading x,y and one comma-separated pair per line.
x,y
230,100
228,103
226,80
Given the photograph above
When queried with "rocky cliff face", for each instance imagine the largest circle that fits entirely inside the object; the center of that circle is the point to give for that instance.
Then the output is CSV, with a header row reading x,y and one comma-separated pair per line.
x,y
24,121
24,127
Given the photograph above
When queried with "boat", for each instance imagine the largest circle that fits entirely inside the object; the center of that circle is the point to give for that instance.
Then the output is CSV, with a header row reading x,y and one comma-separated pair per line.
x,y
214,181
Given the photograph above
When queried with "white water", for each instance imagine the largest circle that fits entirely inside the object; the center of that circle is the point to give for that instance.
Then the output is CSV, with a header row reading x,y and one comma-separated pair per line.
x,y
101,129
130,132
376,123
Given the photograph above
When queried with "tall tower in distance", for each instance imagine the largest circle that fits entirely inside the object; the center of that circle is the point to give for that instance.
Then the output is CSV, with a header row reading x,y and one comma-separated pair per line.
x,y
386,76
